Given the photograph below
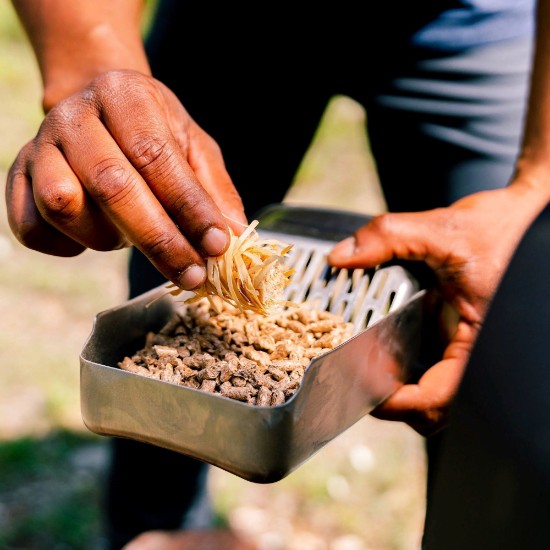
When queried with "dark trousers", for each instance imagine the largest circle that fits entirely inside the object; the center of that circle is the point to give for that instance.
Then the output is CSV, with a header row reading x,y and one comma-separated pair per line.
x,y
491,489
440,127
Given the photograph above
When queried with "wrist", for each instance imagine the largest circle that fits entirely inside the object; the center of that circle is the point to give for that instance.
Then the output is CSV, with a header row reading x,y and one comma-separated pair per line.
x,y
57,89
68,65
76,41
531,184
532,175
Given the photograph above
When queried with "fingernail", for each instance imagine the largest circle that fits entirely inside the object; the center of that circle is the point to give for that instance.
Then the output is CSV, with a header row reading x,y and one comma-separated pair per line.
x,y
192,277
214,241
344,249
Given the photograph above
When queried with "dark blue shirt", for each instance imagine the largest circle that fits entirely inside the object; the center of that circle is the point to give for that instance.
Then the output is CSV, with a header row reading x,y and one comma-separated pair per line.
x,y
460,24
384,25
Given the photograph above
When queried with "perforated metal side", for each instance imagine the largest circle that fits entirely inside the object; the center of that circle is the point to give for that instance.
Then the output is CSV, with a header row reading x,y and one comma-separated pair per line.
x,y
359,296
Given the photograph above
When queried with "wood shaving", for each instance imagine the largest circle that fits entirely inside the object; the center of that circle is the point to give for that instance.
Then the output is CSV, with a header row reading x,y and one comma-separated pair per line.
x,y
250,275
243,355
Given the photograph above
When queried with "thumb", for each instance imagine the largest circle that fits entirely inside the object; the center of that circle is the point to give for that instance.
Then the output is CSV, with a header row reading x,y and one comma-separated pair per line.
x,y
405,236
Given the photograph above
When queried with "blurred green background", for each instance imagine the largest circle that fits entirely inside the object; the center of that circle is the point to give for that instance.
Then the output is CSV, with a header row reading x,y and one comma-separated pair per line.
x,y
363,491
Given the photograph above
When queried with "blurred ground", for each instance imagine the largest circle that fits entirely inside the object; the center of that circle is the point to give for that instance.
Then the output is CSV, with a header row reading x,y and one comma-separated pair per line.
x,y
363,491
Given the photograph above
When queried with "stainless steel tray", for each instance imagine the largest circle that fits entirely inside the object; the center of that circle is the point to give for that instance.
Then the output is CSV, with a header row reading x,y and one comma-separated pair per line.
x,y
260,444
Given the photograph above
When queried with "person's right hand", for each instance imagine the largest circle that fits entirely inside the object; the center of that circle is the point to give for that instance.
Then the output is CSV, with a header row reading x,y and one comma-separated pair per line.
x,y
122,163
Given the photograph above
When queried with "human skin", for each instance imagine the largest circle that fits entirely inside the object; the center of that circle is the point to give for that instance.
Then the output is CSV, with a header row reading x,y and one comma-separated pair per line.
x,y
96,176
468,246
189,540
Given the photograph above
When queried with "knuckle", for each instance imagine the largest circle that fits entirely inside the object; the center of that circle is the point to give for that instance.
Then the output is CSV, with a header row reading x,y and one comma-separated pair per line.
x,y
161,247
107,79
118,86
67,117
158,243
151,154
383,223
59,201
189,204
111,183
69,109
167,251
56,121
62,113
115,78
109,84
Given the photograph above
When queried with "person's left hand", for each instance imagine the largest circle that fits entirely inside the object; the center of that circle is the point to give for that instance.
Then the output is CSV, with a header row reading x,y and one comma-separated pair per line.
x,y
467,246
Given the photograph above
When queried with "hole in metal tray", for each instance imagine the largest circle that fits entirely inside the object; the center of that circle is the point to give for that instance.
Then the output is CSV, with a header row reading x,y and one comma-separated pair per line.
x,y
360,296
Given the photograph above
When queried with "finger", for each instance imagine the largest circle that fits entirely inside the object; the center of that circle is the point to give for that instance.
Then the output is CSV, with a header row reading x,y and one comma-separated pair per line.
x,y
205,158
64,204
216,181
410,236
151,148
25,220
425,405
433,391
120,191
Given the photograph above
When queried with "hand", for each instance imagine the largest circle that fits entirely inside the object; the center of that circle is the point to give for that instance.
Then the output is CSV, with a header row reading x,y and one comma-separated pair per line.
x,y
122,163
468,246
189,540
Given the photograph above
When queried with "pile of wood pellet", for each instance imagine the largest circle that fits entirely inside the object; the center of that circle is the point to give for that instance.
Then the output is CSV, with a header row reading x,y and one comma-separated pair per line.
x,y
241,355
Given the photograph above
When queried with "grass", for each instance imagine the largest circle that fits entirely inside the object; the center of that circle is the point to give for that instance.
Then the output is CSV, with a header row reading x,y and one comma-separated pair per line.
x,y
363,491
47,508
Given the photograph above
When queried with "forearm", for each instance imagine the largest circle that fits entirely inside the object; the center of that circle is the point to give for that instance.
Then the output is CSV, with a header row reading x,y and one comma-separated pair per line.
x,y
76,40
533,167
